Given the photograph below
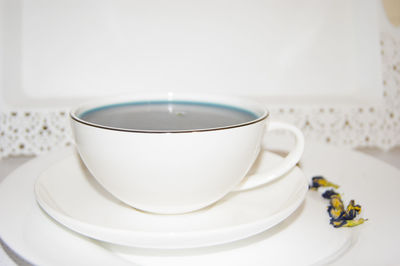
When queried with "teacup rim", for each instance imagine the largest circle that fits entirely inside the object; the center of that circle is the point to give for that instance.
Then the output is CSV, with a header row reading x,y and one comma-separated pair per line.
x,y
116,100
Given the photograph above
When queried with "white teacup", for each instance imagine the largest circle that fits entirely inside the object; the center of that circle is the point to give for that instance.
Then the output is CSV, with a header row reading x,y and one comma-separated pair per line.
x,y
178,152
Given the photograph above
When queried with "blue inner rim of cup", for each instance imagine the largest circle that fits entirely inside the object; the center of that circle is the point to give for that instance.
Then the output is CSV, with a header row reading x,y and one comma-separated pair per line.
x,y
207,104
256,117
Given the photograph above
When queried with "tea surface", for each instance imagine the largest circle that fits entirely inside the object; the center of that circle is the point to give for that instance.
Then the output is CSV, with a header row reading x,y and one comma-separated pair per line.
x,y
167,116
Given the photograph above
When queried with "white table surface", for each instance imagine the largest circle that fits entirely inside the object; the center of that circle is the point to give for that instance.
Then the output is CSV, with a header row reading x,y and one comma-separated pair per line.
x,y
8,257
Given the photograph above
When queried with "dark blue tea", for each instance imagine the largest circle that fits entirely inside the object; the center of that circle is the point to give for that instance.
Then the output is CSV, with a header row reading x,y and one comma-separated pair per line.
x,y
168,116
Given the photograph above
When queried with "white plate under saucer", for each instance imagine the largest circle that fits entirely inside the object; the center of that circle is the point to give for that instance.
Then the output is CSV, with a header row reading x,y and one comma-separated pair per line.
x,y
71,196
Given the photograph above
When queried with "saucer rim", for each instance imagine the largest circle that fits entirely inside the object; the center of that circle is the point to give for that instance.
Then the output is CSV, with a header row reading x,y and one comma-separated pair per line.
x,y
171,239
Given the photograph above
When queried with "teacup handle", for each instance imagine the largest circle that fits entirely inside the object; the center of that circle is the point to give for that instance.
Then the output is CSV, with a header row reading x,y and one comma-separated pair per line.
x,y
281,168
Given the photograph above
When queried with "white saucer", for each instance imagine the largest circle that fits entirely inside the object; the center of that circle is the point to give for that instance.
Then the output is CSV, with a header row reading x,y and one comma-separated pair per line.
x,y
70,195
305,235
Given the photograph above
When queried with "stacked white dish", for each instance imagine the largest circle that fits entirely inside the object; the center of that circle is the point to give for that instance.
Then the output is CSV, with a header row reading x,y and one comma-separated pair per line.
x,y
70,194
229,231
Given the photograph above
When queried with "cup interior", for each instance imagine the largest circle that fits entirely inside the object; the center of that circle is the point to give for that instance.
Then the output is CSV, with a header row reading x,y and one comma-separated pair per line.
x,y
172,113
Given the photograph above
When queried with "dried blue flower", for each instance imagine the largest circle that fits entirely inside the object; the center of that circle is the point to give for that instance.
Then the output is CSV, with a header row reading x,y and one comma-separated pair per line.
x,y
340,216
347,223
329,194
319,181
352,211
335,214
336,202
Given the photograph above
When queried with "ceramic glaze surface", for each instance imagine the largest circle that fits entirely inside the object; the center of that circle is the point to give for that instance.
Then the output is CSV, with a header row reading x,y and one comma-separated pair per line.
x,y
61,186
192,168
32,234
189,173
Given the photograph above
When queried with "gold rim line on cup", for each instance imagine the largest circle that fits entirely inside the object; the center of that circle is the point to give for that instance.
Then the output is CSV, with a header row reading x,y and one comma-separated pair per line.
x,y
75,117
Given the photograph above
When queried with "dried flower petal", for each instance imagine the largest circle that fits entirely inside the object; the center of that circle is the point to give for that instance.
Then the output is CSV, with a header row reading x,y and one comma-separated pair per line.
x,y
329,194
335,214
347,223
340,216
352,210
319,181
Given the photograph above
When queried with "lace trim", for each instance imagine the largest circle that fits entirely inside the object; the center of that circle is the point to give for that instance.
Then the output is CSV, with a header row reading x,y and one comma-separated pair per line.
x,y
32,132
